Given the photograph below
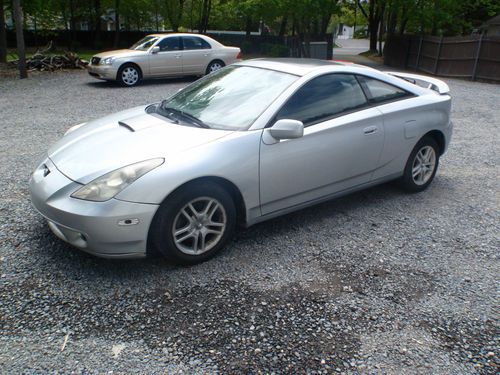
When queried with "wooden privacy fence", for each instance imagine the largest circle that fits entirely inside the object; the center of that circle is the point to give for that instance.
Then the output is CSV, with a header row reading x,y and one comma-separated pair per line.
x,y
474,57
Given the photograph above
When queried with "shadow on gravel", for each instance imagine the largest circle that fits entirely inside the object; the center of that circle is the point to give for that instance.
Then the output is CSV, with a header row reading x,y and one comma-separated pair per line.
x,y
99,84
68,258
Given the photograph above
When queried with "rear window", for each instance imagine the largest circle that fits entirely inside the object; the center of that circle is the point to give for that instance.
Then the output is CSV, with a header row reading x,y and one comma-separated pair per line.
x,y
380,92
193,42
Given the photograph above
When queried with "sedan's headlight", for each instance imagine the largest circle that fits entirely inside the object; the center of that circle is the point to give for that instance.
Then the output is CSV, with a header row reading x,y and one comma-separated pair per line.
x,y
107,186
73,128
107,61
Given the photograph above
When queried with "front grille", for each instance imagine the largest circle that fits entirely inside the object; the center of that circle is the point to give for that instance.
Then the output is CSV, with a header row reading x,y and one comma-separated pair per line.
x,y
95,60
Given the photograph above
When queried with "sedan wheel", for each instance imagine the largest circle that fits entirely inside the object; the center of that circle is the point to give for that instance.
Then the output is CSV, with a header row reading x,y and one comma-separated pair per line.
x,y
214,66
129,75
193,223
421,166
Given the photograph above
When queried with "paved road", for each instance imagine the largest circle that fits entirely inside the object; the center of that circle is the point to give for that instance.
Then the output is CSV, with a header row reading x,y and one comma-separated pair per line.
x,y
351,46
350,50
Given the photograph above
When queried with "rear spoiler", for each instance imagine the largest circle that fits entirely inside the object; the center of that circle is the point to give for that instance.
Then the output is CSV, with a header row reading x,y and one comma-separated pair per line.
x,y
429,82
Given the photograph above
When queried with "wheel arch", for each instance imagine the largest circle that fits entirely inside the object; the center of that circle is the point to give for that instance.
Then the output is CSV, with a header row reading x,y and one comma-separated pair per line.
x,y
438,136
226,184
229,186
217,59
122,65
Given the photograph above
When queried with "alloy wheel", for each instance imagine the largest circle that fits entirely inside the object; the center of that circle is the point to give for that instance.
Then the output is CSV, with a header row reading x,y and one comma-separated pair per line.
x,y
199,226
423,165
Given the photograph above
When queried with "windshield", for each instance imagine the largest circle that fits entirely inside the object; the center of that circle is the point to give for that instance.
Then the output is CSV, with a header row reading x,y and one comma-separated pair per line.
x,y
144,43
231,98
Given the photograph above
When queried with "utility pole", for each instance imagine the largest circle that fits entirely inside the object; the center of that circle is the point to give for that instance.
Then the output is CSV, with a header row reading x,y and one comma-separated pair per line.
x,y
18,17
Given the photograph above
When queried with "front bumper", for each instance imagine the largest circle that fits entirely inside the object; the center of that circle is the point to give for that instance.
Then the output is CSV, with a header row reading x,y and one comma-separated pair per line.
x,y
111,229
107,72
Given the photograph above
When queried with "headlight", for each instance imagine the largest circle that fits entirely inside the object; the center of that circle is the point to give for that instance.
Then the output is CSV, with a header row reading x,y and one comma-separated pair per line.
x,y
73,128
107,61
107,186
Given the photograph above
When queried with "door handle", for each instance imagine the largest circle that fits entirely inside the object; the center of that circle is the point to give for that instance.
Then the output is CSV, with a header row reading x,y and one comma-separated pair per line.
x,y
370,130
177,56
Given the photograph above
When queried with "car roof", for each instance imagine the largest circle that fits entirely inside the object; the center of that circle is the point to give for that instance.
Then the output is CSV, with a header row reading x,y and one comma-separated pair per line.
x,y
296,66
161,35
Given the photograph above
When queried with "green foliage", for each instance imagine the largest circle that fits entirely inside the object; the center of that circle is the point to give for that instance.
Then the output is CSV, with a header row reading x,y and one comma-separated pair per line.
x,y
299,17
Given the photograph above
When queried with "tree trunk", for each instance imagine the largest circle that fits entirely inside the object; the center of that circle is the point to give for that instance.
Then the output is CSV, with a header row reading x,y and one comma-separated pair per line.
x,y
117,23
97,24
205,15
18,16
157,17
372,26
72,24
435,18
283,24
3,36
381,29
248,27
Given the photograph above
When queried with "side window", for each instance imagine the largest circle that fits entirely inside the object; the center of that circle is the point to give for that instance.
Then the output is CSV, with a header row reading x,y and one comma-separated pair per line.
x,y
193,42
170,44
379,92
322,98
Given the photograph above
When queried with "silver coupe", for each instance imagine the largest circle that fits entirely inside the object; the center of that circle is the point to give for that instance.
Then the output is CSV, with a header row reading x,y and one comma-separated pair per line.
x,y
163,55
247,143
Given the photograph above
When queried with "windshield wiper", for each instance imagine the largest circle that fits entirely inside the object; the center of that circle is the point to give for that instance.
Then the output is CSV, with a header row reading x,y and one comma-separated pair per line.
x,y
172,112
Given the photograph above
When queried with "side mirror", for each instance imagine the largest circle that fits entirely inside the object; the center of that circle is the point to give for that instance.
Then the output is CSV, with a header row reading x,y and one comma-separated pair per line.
x,y
155,50
287,129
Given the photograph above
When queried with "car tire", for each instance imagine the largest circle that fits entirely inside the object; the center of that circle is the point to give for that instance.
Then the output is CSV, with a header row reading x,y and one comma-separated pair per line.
x,y
194,223
129,75
421,166
214,66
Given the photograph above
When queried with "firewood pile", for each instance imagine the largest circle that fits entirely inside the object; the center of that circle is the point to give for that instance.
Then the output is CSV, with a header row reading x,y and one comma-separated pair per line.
x,y
43,60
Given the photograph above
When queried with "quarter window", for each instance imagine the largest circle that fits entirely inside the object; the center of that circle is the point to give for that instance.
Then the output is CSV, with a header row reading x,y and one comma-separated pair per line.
x,y
379,92
193,42
322,98
170,44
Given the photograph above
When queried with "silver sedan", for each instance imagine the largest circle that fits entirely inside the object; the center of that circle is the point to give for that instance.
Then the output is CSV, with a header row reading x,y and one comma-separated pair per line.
x,y
250,142
163,55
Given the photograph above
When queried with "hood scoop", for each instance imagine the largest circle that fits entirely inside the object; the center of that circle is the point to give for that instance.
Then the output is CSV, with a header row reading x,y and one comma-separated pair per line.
x,y
141,122
121,123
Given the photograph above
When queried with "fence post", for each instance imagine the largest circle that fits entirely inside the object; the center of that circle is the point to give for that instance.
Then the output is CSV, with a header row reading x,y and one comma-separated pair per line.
x,y
418,53
476,60
436,63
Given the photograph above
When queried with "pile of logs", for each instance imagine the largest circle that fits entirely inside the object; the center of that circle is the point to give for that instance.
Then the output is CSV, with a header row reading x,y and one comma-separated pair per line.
x,y
43,60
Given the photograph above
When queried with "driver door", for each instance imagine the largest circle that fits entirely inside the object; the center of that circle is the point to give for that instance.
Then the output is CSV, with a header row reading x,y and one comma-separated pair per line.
x,y
340,148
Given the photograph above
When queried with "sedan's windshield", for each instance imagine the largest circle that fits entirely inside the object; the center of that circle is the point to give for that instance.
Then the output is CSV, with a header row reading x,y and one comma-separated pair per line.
x,y
144,43
231,98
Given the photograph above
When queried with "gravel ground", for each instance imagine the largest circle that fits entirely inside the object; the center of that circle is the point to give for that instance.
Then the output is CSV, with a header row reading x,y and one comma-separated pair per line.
x,y
376,282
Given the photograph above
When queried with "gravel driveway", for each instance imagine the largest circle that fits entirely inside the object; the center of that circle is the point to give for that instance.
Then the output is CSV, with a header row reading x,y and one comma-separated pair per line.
x,y
376,282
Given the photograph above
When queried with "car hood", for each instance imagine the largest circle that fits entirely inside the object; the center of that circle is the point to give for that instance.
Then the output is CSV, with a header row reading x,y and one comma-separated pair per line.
x,y
124,138
121,53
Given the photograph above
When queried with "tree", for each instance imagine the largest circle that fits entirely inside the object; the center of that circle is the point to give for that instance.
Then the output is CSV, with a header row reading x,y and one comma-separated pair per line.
x,y
18,17
174,10
3,35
